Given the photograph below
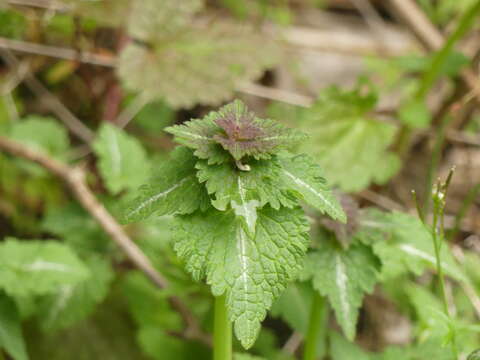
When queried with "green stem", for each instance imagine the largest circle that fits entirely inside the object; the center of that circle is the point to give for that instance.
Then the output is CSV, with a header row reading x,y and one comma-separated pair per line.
x,y
439,236
435,69
317,321
435,161
439,60
222,332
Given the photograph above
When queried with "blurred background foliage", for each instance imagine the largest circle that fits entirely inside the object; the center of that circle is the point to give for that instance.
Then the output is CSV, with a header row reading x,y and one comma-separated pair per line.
x,y
348,73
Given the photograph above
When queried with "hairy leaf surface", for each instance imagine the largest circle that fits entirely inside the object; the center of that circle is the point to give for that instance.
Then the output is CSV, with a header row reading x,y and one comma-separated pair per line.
x,y
252,269
38,267
245,191
122,160
198,134
174,188
203,65
238,131
304,176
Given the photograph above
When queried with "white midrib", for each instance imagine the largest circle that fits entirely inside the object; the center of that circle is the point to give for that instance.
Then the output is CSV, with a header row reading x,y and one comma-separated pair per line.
x,y
242,245
341,281
157,196
42,265
64,295
250,218
195,136
411,250
299,182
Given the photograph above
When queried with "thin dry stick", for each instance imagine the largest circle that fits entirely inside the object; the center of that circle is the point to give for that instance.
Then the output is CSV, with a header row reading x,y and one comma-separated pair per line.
x,y
42,4
129,113
57,52
74,124
74,177
293,343
430,36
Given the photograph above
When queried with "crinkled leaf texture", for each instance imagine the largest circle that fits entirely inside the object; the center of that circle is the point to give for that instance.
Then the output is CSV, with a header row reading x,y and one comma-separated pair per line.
x,y
349,144
174,188
245,191
11,338
238,131
277,182
153,20
38,267
303,175
404,244
252,269
246,135
123,162
344,276
203,65
74,302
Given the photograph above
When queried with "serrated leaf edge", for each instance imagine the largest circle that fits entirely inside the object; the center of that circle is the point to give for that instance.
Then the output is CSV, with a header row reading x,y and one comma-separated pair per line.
x,y
300,182
157,196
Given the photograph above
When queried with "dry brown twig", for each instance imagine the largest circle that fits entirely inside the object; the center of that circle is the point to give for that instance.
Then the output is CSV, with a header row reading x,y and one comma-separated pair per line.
x,y
75,125
430,36
74,178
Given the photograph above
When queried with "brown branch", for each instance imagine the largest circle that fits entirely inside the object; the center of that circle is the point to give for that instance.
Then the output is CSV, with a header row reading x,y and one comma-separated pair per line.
x,y
57,52
75,125
74,177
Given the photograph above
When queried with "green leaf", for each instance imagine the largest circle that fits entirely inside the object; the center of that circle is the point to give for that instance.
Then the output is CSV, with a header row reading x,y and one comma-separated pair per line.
x,y
342,349
151,20
238,131
203,65
344,276
74,302
38,267
301,174
11,338
42,134
174,188
246,135
245,356
253,269
122,160
404,244
107,335
161,346
245,191
154,117
198,134
415,114
294,306
348,142
77,228
474,355
148,305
